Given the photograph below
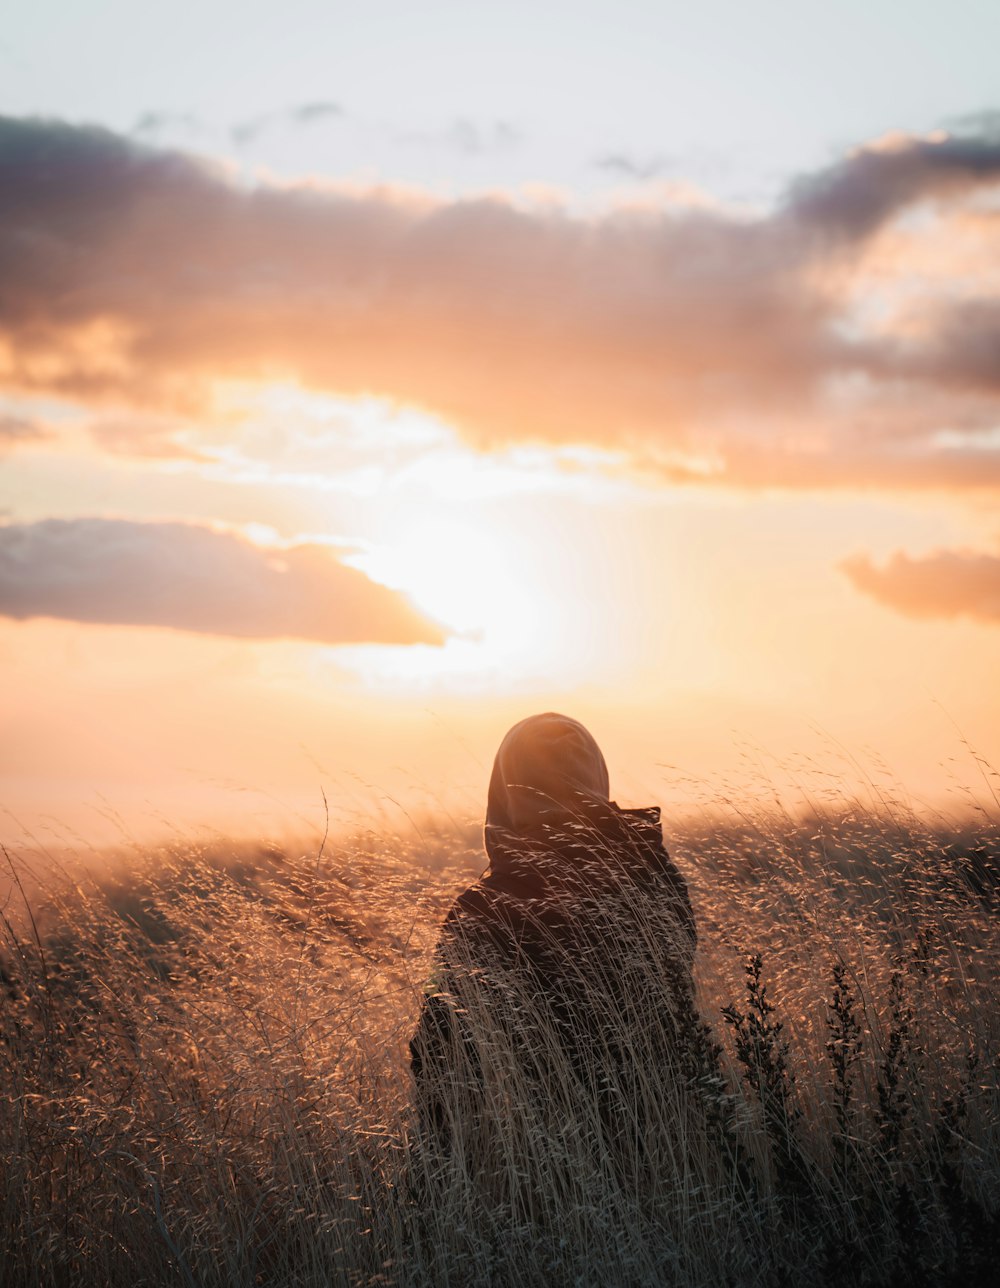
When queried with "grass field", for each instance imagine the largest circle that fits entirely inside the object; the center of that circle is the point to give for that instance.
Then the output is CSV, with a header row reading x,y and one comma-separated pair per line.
x,y
203,1055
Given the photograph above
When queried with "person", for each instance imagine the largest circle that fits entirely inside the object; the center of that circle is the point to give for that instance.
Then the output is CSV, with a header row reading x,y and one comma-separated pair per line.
x,y
563,976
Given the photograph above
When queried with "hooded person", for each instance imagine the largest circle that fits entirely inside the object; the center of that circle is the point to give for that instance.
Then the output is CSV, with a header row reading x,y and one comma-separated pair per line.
x,y
572,951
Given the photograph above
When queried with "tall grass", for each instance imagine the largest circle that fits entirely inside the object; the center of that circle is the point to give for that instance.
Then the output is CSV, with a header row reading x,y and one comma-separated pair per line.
x,y
203,1057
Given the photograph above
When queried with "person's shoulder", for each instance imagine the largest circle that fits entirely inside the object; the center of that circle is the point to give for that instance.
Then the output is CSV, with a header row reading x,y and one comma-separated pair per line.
x,y
644,824
473,901
487,901
642,834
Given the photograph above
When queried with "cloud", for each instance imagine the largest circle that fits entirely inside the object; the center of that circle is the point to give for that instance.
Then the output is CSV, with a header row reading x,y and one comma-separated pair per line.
x,y
632,168
194,578
947,583
467,136
681,334
15,430
475,139
985,124
153,124
145,437
247,131
310,113
854,198
964,347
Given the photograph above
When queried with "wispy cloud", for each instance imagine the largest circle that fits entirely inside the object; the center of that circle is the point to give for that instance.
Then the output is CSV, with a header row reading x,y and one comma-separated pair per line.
x,y
464,135
16,429
984,124
194,578
711,345
152,124
629,167
310,113
317,110
145,437
947,583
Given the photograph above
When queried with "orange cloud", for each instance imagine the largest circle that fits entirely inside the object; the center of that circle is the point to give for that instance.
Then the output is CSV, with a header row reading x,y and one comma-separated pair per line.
x,y
947,583
142,276
194,578
17,429
149,437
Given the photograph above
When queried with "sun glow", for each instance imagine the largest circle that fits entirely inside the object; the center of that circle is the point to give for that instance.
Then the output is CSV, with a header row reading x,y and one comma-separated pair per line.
x,y
476,583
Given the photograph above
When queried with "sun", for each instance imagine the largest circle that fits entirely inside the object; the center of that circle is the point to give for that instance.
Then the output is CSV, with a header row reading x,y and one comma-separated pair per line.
x,y
476,582
464,576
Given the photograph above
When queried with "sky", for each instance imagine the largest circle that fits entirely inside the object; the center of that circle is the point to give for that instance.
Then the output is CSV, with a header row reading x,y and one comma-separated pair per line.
x,y
372,376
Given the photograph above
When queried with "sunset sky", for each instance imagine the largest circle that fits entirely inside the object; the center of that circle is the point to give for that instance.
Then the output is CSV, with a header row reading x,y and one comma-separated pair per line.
x,y
373,375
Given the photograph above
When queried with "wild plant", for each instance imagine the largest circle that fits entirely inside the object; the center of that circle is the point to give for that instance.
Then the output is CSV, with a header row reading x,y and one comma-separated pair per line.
x,y
204,1061
898,1054
844,1049
765,1058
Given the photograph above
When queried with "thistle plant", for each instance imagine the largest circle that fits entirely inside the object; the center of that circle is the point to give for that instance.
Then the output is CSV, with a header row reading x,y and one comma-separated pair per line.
x,y
764,1055
892,1103
843,1048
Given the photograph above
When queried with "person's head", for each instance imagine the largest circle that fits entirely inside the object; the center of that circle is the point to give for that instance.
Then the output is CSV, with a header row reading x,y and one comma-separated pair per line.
x,y
548,768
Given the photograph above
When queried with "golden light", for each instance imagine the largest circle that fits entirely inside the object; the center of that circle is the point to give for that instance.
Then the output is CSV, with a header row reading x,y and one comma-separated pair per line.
x,y
461,576
476,581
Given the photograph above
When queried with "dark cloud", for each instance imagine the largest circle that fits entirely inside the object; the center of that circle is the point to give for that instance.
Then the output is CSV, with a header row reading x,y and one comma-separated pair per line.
x,y
963,348
196,579
854,198
139,275
631,167
947,583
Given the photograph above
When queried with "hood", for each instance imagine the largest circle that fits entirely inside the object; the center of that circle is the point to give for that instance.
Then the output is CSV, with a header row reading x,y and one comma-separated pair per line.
x,y
549,770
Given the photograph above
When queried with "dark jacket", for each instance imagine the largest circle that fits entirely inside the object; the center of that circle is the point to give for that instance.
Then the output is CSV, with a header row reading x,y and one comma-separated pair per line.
x,y
562,930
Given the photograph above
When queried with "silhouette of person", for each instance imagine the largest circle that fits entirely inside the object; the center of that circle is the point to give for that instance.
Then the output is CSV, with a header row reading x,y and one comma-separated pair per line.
x,y
579,935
